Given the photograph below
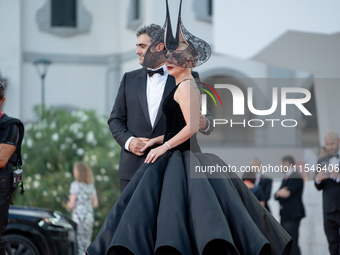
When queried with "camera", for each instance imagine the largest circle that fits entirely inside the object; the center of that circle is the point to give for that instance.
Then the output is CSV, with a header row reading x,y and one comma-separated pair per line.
x,y
17,178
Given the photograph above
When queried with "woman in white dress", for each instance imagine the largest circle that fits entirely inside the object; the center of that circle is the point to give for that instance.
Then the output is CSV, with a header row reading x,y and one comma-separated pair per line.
x,y
82,199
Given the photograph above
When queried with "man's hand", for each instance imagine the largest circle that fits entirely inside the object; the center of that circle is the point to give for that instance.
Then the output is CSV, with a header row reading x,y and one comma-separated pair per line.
x,y
203,122
334,171
137,144
151,143
322,176
284,193
335,174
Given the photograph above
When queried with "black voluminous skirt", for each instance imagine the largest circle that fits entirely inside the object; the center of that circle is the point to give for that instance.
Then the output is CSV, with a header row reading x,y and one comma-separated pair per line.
x,y
163,210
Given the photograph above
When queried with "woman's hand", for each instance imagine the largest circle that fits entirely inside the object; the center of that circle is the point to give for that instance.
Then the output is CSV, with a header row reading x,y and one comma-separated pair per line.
x,y
155,153
152,142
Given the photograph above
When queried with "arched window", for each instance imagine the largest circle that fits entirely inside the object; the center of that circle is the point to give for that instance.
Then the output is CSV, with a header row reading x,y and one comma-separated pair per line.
x,y
204,9
64,17
233,132
63,13
210,8
136,10
134,14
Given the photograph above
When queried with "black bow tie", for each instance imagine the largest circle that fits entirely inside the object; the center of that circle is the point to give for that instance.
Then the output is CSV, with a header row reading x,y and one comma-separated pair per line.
x,y
152,72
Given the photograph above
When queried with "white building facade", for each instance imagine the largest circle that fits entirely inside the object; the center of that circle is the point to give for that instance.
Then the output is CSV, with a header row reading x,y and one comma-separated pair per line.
x,y
89,56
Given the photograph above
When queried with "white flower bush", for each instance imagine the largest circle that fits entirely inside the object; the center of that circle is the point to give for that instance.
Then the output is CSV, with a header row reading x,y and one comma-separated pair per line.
x,y
55,137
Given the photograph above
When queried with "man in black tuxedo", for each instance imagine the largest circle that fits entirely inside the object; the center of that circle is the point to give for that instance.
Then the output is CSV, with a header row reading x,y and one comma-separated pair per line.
x,y
137,115
328,180
262,181
290,198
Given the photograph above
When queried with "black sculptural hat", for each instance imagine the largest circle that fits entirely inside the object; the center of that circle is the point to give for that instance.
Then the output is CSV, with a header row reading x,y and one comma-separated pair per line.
x,y
184,50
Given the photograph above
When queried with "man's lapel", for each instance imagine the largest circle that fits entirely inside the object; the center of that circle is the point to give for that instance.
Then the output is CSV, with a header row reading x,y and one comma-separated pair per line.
x,y
169,86
142,94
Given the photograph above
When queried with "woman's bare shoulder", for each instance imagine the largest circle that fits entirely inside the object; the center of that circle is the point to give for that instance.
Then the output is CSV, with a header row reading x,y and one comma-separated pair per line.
x,y
186,89
187,85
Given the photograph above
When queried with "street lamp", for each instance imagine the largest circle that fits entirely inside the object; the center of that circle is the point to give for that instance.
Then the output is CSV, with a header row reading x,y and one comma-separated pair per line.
x,y
42,65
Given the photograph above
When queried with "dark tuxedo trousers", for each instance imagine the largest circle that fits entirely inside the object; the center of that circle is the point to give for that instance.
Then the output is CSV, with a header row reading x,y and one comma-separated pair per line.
x,y
266,186
292,209
130,117
331,209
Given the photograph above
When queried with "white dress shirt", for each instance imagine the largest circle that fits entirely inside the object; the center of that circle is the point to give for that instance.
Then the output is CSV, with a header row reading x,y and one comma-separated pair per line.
x,y
257,178
289,173
154,92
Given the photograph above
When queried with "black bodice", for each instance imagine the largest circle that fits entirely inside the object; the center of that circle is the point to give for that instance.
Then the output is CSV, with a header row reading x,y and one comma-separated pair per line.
x,y
174,122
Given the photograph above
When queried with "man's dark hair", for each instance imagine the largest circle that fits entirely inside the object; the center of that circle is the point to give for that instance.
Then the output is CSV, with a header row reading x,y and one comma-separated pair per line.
x,y
2,91
288,159
155,32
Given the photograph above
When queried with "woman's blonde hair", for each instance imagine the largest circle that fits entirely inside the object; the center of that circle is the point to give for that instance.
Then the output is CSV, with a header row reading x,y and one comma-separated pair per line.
x,y
85,173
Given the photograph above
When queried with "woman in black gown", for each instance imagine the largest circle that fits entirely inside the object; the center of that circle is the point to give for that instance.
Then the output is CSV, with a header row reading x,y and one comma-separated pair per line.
x,y
163,210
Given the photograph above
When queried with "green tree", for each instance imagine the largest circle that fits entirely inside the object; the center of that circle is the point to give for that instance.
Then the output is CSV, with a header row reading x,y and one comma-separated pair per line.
x,y
50,148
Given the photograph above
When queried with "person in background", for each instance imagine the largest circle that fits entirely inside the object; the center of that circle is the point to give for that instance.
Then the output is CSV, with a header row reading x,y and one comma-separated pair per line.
x,y
82,199
249,179
262,181
290,198
11,135
328,180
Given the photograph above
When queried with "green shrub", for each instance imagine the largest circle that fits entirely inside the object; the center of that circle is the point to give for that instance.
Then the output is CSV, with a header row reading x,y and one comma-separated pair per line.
x,y
51,147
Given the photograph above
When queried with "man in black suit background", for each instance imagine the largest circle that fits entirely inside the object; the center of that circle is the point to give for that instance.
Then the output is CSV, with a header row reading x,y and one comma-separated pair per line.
x,y
262,181
137,115
290,198
328,180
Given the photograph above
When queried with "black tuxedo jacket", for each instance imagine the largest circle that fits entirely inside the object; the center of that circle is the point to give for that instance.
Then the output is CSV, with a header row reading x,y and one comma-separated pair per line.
x,y
266,186
292,207
331,191
130,117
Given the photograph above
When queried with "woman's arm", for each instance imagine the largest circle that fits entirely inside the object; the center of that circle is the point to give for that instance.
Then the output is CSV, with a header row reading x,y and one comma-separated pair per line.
x,y
95,202
191,112
71,203
153,141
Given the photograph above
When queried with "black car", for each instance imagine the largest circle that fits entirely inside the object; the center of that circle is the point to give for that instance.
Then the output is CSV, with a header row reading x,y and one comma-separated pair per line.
x,y
38,231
